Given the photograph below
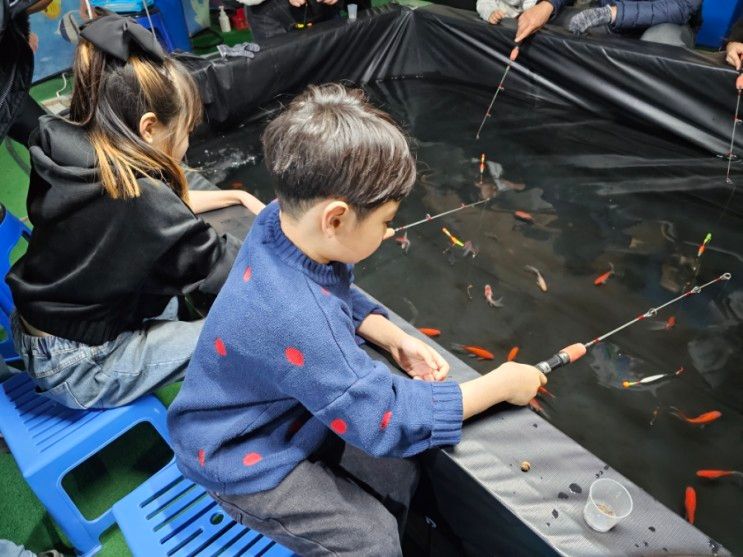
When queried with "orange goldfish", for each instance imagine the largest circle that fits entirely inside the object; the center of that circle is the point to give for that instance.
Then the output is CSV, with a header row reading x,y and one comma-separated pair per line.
x,y
429,332
475,351
512,354
524,216
690,504
601,279
701,419
541,283
666,325
715,474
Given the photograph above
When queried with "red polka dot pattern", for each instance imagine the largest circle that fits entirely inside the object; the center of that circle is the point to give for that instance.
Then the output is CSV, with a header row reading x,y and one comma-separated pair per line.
x,y
294,356
385,420
247,274
220,347
338,426
202,457
251,459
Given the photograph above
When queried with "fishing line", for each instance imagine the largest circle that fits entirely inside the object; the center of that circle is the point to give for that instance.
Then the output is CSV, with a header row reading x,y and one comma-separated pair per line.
x,y
429,218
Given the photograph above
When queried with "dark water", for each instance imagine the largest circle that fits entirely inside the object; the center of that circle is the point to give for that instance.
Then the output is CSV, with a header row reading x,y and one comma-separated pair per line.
x,y
600,192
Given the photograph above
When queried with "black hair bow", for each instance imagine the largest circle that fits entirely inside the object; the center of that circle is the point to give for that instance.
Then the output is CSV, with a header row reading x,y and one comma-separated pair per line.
x,y
117,36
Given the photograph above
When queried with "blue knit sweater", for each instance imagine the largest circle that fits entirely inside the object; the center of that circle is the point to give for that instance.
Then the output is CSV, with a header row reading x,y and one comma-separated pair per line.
x,y
277,368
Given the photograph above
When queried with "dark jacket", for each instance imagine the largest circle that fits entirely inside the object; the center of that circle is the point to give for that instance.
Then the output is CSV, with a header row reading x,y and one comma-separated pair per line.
x,y
641,14
97,266
16,62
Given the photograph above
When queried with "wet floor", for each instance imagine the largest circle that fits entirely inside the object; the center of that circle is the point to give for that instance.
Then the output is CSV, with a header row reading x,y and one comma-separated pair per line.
x,y
603,194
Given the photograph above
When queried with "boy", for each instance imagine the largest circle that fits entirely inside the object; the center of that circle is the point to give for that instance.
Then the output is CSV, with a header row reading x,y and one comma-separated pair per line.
x,y
291,426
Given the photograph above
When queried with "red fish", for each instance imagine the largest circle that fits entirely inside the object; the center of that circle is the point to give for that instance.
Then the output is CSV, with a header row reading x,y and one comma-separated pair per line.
x,y
690,504
701,419
544,392
476,351
601,279
512,354
524,216
671,322
715,474
429,332
666,325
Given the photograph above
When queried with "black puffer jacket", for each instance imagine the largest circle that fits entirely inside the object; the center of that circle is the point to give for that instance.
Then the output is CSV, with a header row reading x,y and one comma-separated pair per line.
x,y
16,61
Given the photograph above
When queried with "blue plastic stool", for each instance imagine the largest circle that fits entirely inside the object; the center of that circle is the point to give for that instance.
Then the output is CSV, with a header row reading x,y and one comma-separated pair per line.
x,y
49,440
170,516
11,232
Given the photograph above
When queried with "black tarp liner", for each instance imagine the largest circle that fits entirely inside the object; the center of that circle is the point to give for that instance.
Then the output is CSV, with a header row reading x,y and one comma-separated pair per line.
x,y
492,509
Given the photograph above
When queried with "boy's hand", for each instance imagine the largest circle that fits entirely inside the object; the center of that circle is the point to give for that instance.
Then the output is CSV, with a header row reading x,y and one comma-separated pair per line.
x,y
419,360
496,17
734,54
520,382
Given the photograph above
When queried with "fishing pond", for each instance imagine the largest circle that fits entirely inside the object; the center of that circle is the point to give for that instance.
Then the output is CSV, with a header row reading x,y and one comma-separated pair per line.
x,y
600,194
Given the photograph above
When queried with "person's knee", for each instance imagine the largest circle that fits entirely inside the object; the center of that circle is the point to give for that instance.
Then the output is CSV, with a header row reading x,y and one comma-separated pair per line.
x,y
670,34
382,539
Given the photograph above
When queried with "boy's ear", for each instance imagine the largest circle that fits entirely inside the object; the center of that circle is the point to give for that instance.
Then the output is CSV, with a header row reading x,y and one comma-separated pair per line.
x,y
147,124
333,216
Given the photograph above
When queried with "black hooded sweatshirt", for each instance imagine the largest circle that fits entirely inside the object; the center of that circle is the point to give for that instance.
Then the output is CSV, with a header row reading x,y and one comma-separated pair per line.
x,y
97,266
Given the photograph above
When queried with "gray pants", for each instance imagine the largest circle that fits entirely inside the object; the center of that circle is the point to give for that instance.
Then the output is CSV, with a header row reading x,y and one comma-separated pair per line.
x,y
664,33
114,373
339,502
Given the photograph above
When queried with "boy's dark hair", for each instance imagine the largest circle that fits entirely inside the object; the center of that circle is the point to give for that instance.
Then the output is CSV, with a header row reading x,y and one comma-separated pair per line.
x,y
331,143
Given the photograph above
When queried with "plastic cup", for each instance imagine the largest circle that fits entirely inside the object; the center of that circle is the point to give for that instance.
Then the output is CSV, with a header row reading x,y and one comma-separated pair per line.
x,y
352,11
608,503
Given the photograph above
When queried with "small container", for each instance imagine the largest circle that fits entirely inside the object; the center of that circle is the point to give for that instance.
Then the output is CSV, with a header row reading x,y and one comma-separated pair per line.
x,y
353,10
608,503
224,21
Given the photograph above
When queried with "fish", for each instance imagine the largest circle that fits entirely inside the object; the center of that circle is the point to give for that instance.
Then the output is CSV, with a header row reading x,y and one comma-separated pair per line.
x,y
690,504
453,239
524,216
512,354
475,351
666,325
653,378
469,287
429,332
715,474
404,242
601,279
541,283
654,416
701,419
470,249
544,392
237,185
492,302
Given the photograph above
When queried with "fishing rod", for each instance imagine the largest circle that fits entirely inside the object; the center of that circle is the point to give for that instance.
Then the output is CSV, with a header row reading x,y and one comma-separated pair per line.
x,y
439,215
511,59
576,351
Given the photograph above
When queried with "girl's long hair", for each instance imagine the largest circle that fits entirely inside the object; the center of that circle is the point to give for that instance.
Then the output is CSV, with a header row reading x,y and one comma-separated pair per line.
x,y
108,101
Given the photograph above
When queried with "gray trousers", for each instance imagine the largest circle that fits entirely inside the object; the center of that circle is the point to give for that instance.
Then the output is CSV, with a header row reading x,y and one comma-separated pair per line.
x,y
341,502
664,33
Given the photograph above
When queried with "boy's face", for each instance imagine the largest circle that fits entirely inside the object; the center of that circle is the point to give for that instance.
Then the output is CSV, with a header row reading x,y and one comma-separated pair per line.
x,y
356,239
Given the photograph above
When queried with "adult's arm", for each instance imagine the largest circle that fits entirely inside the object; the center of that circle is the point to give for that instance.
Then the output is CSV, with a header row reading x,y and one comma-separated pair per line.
x,y
632,15
533,19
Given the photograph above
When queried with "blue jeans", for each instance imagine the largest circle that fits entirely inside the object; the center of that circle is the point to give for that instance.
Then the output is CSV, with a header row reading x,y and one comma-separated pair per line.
x,y
114,373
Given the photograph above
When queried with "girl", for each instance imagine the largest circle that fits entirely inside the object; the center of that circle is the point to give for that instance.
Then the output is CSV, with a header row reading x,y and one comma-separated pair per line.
x,y
115,233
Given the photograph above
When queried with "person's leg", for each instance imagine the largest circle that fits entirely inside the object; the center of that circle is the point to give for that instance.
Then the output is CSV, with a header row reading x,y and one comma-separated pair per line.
x,y
392,481
669,33
269,19
10,549
316,512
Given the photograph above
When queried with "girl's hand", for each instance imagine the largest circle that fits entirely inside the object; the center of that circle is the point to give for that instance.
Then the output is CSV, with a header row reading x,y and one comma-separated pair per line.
x,y
249,201
418,359
496,17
